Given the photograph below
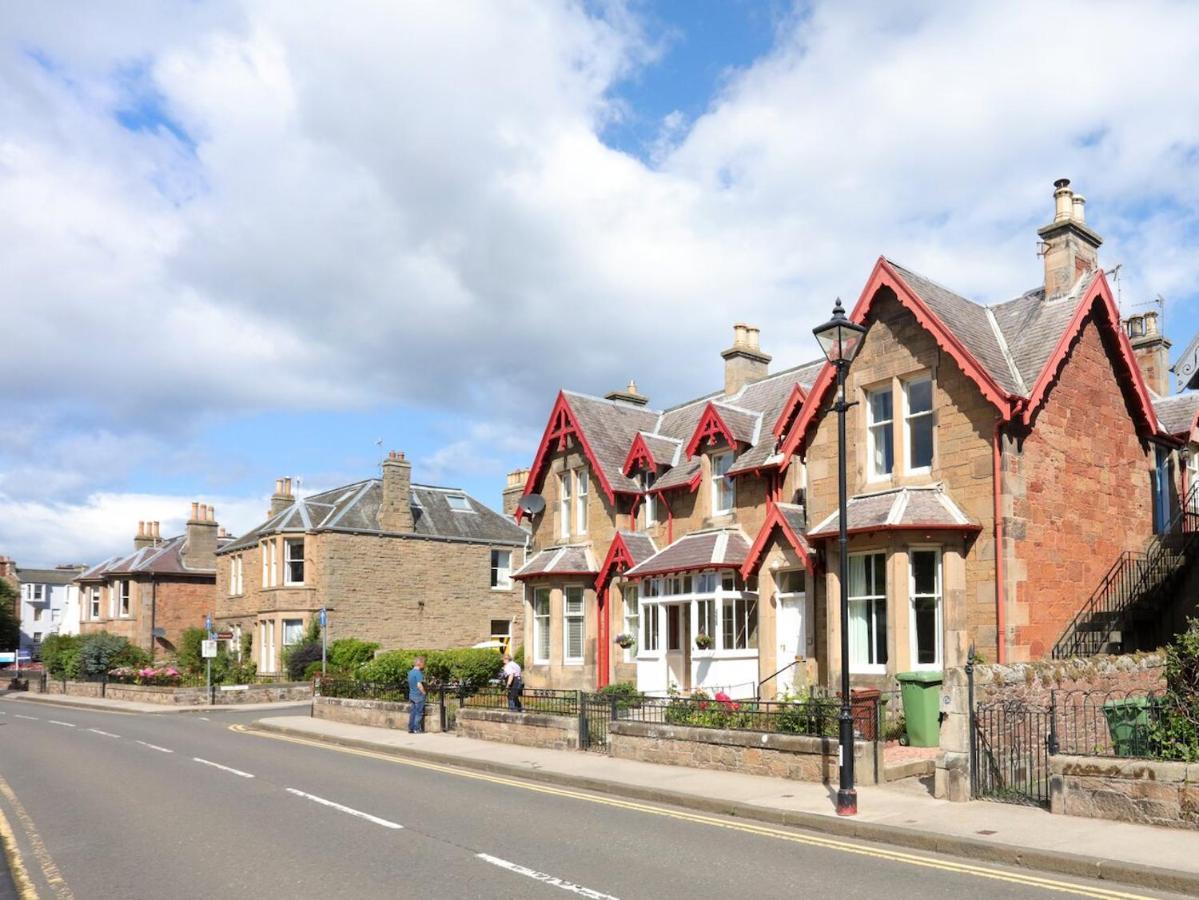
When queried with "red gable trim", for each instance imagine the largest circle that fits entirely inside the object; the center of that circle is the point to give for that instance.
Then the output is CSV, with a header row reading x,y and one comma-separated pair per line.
x,y
691,485
884,275
563,424
619,559
1101,295
709,428
639,455
775,519
794,401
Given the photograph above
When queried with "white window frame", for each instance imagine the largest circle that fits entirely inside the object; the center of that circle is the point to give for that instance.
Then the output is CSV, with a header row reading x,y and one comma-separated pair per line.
x,y
504,637
939,596
582,494
288,559
265,553
650,643
909,417
724,490
632,622
857,667
298,632
565,482
650,501
94,608
125,599
541,625
569,618
500,577
274,562
735,608
874,428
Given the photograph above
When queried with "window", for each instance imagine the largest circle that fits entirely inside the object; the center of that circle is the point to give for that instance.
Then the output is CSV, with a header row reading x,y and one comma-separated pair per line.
x,y
705,583
572,619
868,612
501,631
37,593
293,562
926,608
581,487
723,492
541,625
94,597
632,624
651,502
274,563
55,615
124,597
919,423
791,581
37,613
649,622
565,480
740,623
459,503
674,627
705,617
501,570
881,438
235,575
293,631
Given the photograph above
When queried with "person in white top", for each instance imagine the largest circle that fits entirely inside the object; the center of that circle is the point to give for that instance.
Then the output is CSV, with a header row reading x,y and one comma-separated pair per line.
x,y
512,680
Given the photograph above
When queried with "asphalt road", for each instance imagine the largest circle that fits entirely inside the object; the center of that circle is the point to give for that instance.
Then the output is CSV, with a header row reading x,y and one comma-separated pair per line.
x,y
132,806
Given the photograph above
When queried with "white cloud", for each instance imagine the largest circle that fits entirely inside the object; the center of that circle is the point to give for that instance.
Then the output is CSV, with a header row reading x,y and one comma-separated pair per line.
x,y
413,204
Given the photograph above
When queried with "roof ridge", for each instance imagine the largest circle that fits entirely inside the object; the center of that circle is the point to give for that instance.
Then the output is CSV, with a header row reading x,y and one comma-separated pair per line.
x,y
933,281
622,404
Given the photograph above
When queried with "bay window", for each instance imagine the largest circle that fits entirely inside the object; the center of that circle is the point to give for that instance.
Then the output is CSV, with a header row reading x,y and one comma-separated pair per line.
x,y
541,625
926,608
705,617
868,612
739,618
94,595
918,423
123,594
293,631
632,624
293,563
723,491
880,437
649,622
572,619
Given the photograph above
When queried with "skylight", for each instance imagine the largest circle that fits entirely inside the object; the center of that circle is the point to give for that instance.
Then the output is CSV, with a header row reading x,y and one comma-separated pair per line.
x,y
459,502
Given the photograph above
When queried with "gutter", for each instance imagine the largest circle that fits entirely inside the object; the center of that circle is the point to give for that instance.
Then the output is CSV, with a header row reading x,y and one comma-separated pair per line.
x,y
1000,592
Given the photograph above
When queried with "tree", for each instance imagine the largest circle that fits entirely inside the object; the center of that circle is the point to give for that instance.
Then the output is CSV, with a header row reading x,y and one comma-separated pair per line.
x,y
10,624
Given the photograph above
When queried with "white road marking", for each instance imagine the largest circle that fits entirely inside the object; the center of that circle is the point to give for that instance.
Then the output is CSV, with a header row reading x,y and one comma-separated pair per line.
x,y
544,878
105,733
64,724
156,747
19,716
344,809
206,762
202,718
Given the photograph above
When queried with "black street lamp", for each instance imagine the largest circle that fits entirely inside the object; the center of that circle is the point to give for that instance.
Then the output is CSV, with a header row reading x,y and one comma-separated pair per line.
x,y
840,340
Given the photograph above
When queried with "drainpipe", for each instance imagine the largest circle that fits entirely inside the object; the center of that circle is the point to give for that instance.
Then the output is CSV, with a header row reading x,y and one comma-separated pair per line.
x,y
153,613
1000,611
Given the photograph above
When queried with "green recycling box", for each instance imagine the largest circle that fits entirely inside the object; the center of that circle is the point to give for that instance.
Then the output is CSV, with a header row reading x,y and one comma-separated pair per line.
x,y
921,692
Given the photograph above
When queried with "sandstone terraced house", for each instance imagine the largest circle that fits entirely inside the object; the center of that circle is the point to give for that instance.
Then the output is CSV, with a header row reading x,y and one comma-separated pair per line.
x,y
1003,460
402,564
164,586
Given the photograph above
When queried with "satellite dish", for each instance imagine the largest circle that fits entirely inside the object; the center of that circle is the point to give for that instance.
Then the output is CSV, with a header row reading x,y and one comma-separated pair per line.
x,y
531,504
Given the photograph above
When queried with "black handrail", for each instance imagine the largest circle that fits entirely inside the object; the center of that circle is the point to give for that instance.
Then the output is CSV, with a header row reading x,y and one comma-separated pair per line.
x,y
1130,578
758,689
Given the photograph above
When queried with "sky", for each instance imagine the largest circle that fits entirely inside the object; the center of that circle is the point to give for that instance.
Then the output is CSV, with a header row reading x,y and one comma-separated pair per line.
x,y
247,240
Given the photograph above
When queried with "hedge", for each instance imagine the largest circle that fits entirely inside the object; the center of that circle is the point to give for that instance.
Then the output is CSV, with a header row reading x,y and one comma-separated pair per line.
x,y
469,668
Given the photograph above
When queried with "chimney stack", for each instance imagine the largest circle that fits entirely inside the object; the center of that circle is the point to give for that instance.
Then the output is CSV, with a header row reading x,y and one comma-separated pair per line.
x,y
514,491
1070,248
628,395
199,548
395,512
144,537
8,569
744,362
1151,349
282,498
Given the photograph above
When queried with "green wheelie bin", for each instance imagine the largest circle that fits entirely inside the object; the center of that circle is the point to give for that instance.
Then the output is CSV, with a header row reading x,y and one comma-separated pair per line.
x,y
921,692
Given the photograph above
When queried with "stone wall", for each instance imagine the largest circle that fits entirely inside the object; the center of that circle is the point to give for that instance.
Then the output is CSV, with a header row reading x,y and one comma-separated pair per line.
x,y
1032,684
375,713
525,729
750,753
1125,790
188,696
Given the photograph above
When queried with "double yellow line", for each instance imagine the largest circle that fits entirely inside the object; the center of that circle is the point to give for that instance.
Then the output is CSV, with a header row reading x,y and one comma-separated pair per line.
x,y
811,840
21,879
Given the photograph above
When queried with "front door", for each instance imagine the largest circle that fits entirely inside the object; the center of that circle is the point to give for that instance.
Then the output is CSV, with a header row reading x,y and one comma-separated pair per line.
x,y
678,656
792,638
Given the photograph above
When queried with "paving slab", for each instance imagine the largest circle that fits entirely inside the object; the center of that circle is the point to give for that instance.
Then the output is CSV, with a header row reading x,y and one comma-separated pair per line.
x,y
903,814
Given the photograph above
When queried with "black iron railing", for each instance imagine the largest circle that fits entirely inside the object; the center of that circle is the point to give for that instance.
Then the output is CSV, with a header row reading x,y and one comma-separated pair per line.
x,y
1133,578
538,700
1118,723
814,717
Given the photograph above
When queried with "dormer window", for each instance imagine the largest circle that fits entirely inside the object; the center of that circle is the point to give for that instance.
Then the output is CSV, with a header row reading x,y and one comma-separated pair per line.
x,y
724,492
459,503
918,422
881,439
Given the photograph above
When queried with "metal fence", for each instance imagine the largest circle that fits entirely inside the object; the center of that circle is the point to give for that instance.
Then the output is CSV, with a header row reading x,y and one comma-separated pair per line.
x,y
815,717
1107,723
539,700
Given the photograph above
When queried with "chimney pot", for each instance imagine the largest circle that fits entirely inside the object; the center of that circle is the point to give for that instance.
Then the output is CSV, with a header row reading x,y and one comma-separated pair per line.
x,y
1063,199
157,533
141,529
744,362
1079,211
195,510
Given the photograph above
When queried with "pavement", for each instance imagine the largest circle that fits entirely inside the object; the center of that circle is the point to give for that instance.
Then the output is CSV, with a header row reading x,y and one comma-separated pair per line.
x,y
901,814
131,806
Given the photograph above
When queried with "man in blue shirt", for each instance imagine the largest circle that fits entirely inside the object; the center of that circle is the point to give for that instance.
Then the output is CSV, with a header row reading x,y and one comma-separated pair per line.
x,y
417,696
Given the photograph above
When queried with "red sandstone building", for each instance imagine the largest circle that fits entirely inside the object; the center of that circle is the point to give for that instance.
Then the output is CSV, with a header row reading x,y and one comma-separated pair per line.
x,y
1001,457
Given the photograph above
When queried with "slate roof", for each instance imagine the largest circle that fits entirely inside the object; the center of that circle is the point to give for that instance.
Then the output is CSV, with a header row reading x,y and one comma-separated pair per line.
x,y
640,546
664,450
898,508
720,548
355,508
796,516
164,559
572,559
1177,414
49,576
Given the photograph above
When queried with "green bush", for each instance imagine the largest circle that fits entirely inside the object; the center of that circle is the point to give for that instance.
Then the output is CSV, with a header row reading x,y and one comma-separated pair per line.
x,y
348,655
300,657
1175,732
470,668
10,623
188,654
624,692
102,651
812,717
60,655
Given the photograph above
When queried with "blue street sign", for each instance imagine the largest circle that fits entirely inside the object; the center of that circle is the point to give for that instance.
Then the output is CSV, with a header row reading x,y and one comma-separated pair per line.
x,y
323,617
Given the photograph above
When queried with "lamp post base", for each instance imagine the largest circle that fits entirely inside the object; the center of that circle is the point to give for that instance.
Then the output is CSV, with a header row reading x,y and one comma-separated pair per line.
x,y
847,802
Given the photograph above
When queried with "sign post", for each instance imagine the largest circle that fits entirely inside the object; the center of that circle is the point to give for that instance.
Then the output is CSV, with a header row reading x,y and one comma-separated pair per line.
x,y
324,640
208,651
